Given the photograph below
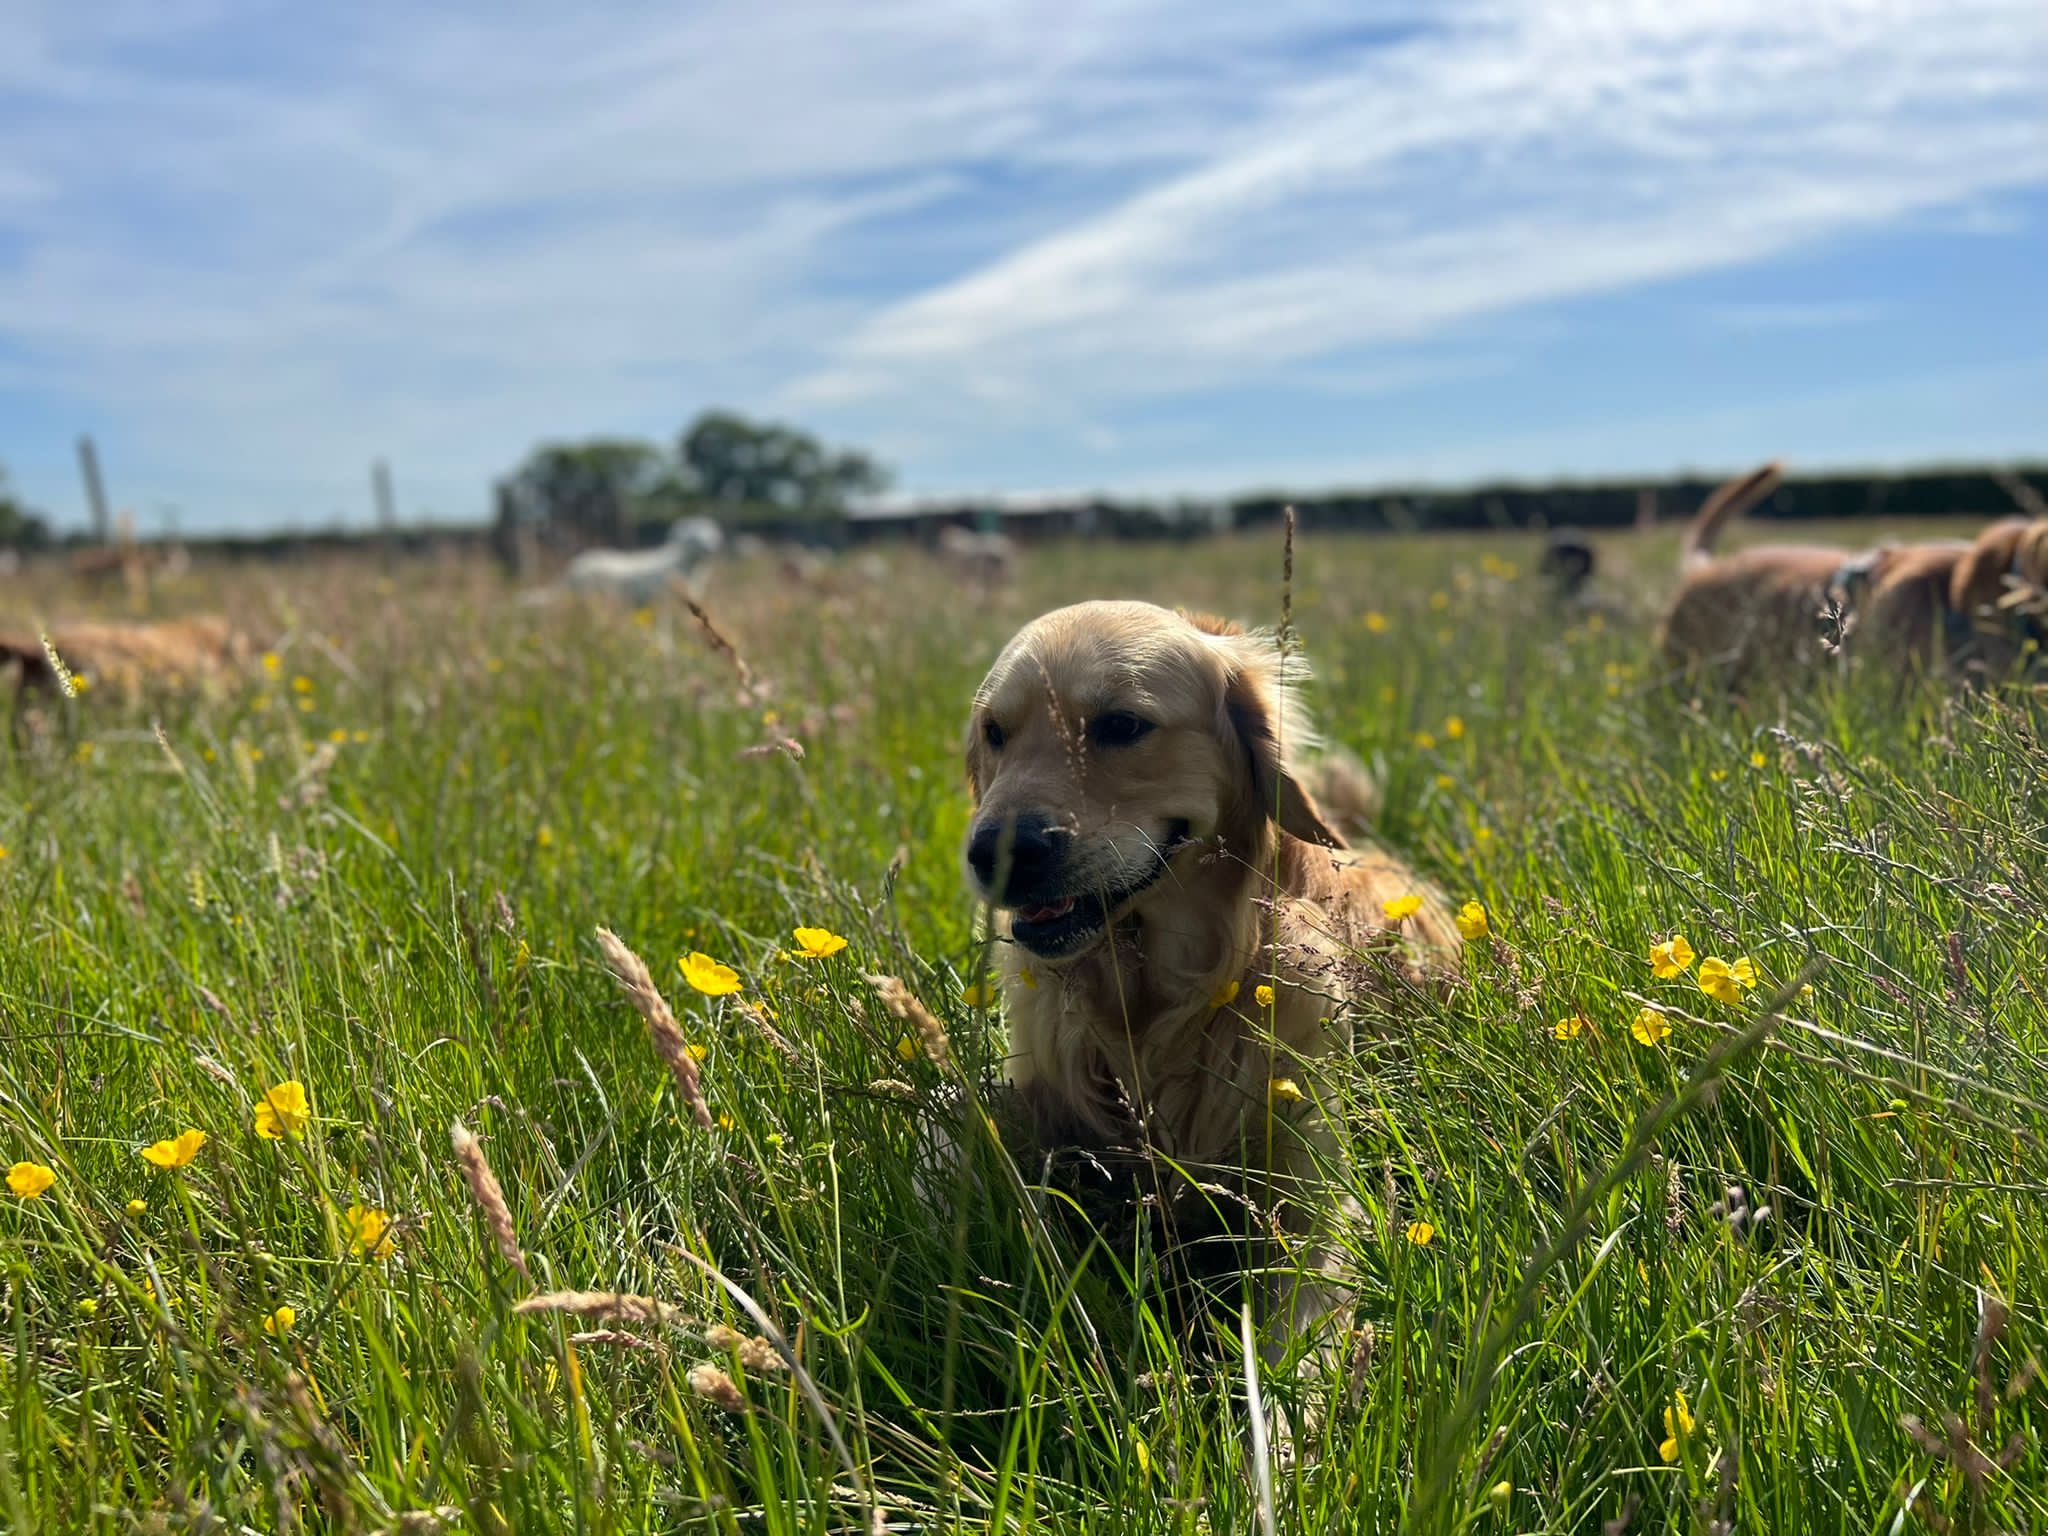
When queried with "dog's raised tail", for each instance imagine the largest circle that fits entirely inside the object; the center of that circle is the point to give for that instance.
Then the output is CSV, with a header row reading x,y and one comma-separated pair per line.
x,y
1727,504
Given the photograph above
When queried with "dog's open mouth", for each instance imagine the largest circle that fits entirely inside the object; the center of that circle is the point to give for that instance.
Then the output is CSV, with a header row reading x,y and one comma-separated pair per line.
x,y
1070,923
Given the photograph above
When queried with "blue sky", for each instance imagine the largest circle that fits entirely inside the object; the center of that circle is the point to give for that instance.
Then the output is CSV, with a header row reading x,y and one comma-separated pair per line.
x,y
1117,245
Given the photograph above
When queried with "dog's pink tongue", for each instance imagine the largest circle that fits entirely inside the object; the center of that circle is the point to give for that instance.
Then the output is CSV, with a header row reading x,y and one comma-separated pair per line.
x,y
1059,908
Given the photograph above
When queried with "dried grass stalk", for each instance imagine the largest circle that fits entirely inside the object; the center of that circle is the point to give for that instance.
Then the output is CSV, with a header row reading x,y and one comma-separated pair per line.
x,y
604,1306
714,1386
755,1353
488,1194
613,1336
905,1005
634,977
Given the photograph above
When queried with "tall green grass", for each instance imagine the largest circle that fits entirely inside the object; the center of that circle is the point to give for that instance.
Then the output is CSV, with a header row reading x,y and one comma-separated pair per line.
x,y
1824,1224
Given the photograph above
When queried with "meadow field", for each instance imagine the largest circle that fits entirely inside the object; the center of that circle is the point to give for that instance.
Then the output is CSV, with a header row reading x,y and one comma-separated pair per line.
x,y
1770,1264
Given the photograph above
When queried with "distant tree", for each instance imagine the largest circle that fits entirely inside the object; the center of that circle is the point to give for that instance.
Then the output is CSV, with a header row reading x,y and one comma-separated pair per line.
x,y
733,460
592,490
19,527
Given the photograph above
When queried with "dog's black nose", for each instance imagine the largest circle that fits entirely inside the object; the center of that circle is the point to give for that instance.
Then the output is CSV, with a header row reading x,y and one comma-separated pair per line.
x,y
1024,854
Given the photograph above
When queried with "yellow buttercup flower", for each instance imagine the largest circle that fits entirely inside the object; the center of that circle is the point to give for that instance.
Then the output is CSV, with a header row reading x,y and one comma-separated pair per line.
x,y
1678,1423
979,994
1671,958
280,1322
138,1207
817,943
907,1048
1454,728
708,975
1284,1090
1570,1028
1758,760
177,1152
1376,622
1725,981
1424,741
1420,1233
1472,920
30,1180
1650,1027
1026,979
1402,908
1224,995
271,662
283,1111
368,1231
1263,995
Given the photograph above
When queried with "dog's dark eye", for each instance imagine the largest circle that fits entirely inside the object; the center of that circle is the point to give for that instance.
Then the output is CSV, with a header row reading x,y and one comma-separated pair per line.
x,y
1119,729
993,735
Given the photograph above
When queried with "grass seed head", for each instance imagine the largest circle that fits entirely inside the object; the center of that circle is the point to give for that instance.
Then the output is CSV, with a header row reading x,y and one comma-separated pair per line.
x,y
638,984
715,1387
603,1306
905,1005
488,1194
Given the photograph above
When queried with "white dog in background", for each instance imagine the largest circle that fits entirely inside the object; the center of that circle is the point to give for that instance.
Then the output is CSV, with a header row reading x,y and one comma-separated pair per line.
x,y
639,576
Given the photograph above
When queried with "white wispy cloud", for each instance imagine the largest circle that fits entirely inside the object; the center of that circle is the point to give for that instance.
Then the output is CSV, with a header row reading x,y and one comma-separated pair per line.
x,y
256,245
1523,153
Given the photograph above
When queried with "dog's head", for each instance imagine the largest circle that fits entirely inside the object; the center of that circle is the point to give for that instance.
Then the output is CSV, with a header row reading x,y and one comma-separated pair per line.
x,y
1107,738
1568,560
2006,568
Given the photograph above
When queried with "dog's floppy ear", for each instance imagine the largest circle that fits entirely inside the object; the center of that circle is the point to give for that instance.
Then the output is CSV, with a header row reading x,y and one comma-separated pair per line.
x,y
1260,714
1979,579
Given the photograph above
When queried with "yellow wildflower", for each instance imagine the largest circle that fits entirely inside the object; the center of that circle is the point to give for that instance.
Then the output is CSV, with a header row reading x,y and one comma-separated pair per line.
x,y
698,1052
1420,1233
29,1180
817,943
1454,728
1284,1090
1224,995
1758,760
1401,908
1717,774
283,1111
544,837
272,662
1650,1026
138,1207
1424,741
368,1230
1571,1027
1263,995
907,1048
708,975
1439,601
1472,920
1671,958
725,1122
979,994
177,1152
1026,979
1723,980
280,1322
1678,1423
1376,622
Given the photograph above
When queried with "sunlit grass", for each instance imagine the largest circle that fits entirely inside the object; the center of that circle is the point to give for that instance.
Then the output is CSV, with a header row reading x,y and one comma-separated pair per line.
x,y
384,883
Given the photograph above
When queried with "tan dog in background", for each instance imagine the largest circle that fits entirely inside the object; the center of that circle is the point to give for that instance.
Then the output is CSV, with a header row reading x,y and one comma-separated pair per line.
x,y
1733,614
1143,830
1975,605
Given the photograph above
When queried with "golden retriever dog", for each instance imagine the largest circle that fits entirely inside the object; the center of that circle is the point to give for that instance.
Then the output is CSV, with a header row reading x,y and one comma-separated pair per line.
x,y
1759,608
127,657
1156,861
1980,607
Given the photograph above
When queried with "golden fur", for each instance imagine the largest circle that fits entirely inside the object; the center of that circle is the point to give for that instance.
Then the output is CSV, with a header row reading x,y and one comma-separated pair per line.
x,y
128,657
1974,603
1124,1042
